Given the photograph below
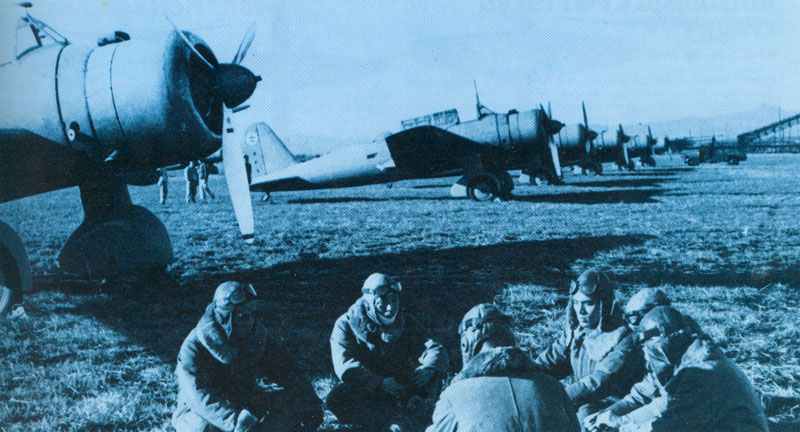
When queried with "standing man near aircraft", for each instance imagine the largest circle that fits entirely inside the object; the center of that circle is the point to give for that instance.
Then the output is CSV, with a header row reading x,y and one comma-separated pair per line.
x,y
499,388
203,174
163,185
232,376
384,360
690,385
596,351
190,175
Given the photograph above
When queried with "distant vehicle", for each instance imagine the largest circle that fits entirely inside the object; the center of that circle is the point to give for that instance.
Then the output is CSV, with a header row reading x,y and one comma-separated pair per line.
x,y
481,151
102,118
697,150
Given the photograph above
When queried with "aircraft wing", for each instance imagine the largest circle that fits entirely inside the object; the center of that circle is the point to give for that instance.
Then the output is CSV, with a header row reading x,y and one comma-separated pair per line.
x,y
31,164
282,184
428,150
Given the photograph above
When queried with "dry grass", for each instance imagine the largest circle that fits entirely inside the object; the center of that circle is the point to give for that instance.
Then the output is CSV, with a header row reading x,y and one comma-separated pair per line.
x,y
722,241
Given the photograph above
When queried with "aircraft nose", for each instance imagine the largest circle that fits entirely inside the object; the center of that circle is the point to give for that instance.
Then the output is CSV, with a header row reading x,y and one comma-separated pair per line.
x,y
553,126
234,83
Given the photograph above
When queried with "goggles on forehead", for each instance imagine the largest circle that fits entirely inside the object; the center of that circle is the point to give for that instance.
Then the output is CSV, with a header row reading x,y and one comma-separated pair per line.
x,y
479,322
382,290
590,289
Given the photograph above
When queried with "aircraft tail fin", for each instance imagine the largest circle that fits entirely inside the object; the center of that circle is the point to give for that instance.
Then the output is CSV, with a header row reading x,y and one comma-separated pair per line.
x,y
265,151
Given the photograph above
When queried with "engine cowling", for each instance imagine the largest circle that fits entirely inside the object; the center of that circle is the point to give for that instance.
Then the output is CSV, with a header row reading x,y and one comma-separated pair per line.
x,y
146,104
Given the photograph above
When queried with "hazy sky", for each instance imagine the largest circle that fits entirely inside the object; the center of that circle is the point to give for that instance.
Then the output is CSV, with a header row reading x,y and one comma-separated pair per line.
x,y
356,68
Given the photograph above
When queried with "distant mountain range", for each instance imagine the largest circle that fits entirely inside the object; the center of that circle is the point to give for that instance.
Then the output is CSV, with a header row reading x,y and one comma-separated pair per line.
x,y
728,125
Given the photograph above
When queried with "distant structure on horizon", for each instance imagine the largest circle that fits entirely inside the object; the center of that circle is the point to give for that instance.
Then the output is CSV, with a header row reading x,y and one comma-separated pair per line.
x,y
779,137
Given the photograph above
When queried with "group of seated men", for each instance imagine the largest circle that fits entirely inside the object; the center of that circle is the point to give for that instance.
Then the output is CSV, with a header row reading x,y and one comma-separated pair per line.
x,y
645,368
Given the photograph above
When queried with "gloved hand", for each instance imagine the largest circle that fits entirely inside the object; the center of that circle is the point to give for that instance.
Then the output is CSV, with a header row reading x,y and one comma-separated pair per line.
x,y
391,386
602,421
246,421
422,376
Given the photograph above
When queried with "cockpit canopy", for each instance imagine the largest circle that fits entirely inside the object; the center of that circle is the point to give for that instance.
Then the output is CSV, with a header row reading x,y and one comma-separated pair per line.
x,y
442,119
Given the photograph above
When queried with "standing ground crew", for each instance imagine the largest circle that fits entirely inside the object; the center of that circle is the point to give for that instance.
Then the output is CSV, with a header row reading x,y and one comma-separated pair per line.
x,y
163,185
190,176
203,174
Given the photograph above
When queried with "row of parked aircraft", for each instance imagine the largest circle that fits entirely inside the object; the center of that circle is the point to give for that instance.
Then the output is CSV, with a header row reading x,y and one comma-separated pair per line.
x,y
480,151
108,116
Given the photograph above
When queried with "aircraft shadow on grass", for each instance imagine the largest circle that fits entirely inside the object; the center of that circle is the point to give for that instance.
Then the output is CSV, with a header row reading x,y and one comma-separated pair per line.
x,y
624,182
608,182
305,297
627,196
729,275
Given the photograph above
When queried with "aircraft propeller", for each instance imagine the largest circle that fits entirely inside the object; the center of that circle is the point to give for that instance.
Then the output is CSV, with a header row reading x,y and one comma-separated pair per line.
x,y
621,137
587,135
233,84
651,141
550,115
552,127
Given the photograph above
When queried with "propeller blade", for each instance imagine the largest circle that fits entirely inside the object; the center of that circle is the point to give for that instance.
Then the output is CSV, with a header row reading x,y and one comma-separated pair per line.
x,y
244,45
585,117
549,113
555,159
190,45
236,174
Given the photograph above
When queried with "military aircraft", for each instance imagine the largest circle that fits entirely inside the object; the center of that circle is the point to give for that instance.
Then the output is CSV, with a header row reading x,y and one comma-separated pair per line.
x,y
103,117
644,151
481,151
576,145
625,148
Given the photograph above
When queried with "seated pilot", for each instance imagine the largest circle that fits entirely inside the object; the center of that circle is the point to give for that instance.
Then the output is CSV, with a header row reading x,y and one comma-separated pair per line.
x,y
596,354
499,388
383,358
233,377
690,385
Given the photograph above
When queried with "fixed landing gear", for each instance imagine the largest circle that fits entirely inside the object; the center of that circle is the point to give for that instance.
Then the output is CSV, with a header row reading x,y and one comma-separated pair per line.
x,y
648,161
15,270
485,186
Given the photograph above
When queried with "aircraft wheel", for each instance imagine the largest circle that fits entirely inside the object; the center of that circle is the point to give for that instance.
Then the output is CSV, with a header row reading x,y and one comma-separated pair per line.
x,y
507,183
733,160
483,188
6,296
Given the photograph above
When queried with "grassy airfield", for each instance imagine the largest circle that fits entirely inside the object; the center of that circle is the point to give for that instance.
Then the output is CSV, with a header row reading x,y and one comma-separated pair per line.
x,y
722,241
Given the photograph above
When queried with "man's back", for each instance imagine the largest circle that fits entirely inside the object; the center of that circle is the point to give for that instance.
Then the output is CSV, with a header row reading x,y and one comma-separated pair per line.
x,y
498,391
